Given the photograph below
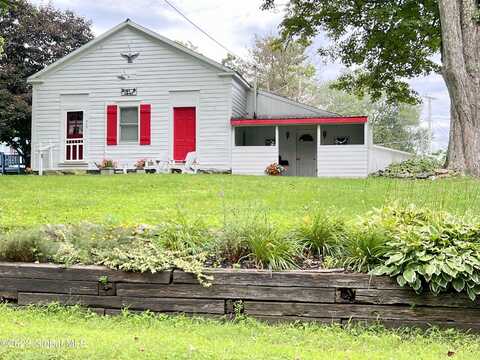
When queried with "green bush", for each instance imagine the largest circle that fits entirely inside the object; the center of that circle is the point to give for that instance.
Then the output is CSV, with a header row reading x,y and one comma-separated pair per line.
x,y
79,243
435,251
26,246
321,233
412,167
143,255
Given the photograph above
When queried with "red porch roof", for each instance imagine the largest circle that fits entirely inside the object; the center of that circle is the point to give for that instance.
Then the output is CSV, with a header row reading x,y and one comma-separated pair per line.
x,y
302,121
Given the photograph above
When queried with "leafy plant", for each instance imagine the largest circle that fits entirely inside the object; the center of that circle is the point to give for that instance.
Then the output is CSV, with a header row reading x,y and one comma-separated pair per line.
x,y
413,167
143,255
274,169
440,254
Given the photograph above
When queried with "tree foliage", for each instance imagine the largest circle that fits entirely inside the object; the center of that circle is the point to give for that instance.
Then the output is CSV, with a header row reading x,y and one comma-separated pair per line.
x,y
33,38
283,68
385,41
394,125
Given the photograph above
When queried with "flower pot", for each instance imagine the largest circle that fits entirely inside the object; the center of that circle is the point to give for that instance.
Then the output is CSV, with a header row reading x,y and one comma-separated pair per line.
x,y
107,171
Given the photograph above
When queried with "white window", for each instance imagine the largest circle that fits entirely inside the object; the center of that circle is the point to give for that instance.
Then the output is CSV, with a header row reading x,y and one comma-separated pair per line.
x,y
129,124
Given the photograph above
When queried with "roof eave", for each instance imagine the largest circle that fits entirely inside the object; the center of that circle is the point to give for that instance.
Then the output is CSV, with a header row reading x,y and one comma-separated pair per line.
x,y
301,121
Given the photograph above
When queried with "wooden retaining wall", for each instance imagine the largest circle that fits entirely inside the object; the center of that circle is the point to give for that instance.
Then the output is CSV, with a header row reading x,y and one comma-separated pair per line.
x,y
326,297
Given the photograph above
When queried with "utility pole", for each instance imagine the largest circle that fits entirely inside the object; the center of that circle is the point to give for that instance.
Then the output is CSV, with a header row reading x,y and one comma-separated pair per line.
x,y
429,121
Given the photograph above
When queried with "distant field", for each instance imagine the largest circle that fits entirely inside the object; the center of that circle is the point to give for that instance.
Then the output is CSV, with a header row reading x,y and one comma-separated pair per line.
x,y
62,333
33,200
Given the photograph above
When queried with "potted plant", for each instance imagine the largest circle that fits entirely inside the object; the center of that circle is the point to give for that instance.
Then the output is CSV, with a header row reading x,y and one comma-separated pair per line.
x,y
274,169
140,166
106,167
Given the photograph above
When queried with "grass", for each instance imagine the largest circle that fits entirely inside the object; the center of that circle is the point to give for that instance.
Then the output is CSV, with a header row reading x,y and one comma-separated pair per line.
x,y
33,200
164,337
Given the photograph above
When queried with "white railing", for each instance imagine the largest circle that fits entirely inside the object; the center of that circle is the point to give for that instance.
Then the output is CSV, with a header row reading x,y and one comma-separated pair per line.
x,y
74,149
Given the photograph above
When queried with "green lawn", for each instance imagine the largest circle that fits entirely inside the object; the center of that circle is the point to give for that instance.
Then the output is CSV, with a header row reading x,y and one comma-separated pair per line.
x,y
151,337
27,200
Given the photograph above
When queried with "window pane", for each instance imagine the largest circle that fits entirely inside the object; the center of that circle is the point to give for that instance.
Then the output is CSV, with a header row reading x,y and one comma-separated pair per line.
x,y
129,124
74,124
129,115
129,133
255,136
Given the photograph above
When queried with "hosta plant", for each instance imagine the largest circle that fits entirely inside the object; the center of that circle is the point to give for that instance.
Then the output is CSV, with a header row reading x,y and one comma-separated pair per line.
x,y
441,253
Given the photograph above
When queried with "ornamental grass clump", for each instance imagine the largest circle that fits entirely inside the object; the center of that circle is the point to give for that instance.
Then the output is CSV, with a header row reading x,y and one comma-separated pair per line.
x,y
184,235
270,247
26,246
321,234
433,251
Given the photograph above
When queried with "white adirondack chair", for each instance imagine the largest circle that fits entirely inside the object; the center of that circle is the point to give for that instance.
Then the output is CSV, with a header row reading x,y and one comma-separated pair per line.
x,y
191,163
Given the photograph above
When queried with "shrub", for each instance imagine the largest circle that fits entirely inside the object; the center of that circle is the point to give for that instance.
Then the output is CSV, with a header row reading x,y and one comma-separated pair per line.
x,y
79,243
440,253
412,167
321,233
143,255
26,246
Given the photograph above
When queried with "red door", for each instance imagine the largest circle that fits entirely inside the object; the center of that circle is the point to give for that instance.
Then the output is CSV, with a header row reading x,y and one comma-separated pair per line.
x,y
184,134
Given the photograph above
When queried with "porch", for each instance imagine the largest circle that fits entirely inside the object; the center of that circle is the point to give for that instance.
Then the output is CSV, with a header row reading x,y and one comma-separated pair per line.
x,y
328,147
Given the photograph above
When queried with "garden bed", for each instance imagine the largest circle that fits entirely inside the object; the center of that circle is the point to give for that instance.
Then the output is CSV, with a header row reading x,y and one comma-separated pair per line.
x,y
320,296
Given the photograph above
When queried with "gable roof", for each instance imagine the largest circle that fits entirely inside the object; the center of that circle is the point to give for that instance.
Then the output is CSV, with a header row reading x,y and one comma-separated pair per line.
x,y
130,24
312,109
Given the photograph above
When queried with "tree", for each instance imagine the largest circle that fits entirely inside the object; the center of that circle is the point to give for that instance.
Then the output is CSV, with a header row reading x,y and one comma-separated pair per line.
x,y
282,68
393,125
3,7
390,41
34,37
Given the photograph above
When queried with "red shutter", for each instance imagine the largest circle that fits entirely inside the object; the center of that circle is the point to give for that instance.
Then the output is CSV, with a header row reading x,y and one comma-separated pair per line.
x,y
112,125
145,115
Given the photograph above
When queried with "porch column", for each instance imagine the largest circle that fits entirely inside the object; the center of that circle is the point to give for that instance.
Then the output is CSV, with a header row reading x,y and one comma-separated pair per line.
x,y
277,139
319,143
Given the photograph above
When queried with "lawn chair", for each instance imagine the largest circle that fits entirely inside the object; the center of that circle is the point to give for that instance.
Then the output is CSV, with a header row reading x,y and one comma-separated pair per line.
x,y
189,166
191,163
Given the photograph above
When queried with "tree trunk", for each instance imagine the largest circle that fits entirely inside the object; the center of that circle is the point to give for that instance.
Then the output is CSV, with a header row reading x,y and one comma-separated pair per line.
x,y
461,71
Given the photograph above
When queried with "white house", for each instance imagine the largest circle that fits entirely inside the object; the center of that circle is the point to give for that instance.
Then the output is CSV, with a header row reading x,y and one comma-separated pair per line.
x,y
132,94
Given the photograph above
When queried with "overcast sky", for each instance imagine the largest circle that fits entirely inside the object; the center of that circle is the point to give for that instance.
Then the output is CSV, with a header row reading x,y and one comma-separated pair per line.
x,y
233,23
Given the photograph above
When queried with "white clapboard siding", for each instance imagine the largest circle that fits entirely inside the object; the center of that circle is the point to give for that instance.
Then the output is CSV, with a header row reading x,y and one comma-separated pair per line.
x,y
158,70
380,157
239,99
253,160
342,161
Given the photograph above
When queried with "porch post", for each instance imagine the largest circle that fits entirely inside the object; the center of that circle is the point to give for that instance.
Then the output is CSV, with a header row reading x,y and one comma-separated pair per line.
x,y
277,138
319,142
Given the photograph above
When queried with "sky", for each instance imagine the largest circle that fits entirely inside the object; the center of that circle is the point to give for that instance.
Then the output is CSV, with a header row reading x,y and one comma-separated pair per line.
x,y
233,23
